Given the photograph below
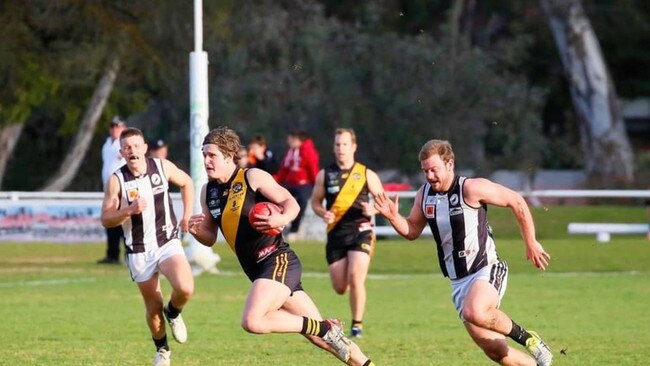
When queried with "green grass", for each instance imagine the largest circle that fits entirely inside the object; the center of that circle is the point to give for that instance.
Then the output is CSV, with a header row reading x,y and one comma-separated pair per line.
x,y
60,308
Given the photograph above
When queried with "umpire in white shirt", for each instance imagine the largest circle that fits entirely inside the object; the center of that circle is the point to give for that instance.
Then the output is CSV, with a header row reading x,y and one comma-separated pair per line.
x,y
112,160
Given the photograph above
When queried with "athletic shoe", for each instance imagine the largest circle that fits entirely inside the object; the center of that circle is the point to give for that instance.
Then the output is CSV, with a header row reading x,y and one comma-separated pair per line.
x,y
337,340
162,358
539,349
356,332
179,331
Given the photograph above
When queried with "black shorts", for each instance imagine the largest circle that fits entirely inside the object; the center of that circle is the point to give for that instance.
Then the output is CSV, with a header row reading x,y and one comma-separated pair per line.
x,y
338,245
281,266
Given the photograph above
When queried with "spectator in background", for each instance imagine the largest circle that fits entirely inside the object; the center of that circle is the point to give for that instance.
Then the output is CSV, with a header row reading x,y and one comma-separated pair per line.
x,y
158,149
242,154
297,173
260,156
112,160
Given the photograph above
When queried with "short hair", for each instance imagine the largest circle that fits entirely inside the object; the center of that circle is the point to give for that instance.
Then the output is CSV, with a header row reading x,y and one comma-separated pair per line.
x,y
437,147
131,131
342,130
300,134
258,139
227,141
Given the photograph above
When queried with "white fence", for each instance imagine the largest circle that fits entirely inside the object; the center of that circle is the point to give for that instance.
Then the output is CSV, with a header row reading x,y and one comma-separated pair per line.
x,y
74,216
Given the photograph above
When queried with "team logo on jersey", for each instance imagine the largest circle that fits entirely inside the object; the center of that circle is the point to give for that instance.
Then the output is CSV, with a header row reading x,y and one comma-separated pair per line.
x,y
132,194
214,193
455,211
430,211
155,179
333,189
237,188
332,176
356,176
131,190
453,199
430,200
464,253
264,252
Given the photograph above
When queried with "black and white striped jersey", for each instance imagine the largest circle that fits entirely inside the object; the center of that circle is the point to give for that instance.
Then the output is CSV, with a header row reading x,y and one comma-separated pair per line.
x,y
462,233
156,225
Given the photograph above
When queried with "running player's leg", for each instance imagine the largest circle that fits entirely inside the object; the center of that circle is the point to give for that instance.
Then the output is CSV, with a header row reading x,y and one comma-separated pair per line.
x,y
301,304
153,303
488,326
339,275
179,273
358,264
177,270
496,348
261,315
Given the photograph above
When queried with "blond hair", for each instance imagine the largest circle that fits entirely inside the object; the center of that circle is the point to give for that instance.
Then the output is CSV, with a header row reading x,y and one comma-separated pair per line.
x,y
441,148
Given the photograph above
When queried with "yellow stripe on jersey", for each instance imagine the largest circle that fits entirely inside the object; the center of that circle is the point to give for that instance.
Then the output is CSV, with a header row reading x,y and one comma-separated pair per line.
x,y
232,211
349,192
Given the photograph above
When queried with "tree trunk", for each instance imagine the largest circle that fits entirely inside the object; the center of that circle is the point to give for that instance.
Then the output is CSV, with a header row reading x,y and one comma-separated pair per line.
x,y
606,148
84,136
9,135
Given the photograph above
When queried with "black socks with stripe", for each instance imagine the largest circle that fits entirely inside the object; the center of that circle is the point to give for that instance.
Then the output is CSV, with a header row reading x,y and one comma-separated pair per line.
x,y
314,327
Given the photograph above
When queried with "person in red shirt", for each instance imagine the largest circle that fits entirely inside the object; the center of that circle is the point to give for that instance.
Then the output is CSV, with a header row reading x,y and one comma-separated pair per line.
x,y
297,173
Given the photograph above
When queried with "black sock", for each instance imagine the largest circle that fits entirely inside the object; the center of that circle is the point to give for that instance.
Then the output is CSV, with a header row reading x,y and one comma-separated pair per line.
x,y
518,334
172,312
314,327
161,343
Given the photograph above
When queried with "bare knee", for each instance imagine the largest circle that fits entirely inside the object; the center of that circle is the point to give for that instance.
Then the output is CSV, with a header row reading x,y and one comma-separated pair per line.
x,y
340,289
253,325
355,283
185,291
476,316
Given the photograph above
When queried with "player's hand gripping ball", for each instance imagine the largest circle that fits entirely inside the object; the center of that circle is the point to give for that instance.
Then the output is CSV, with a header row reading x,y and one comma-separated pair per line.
x,y
264,208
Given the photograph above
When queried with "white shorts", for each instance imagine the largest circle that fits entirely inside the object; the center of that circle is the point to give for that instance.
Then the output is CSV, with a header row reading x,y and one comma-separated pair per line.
x,y
144,265
495,274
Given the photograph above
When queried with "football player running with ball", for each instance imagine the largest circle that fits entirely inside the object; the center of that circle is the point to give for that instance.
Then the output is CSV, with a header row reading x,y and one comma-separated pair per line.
x,y
455,208
276,301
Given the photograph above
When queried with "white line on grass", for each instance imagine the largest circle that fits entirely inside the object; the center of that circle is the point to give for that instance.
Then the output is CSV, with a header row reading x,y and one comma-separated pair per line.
x,y
406,276
374,277
63,281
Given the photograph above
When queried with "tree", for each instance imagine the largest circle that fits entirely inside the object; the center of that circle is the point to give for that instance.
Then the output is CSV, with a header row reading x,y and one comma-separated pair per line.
x,y
606,149
74,157
25,80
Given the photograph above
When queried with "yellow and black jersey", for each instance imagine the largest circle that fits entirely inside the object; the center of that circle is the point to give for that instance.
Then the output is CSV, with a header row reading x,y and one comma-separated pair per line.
x,y
345,190
229,204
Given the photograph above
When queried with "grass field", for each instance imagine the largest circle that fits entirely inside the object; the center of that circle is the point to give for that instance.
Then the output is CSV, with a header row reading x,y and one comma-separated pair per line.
x,y
60,308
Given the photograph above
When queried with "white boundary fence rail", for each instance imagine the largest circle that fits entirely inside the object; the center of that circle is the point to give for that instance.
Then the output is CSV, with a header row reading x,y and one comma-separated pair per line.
x,y
74,216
